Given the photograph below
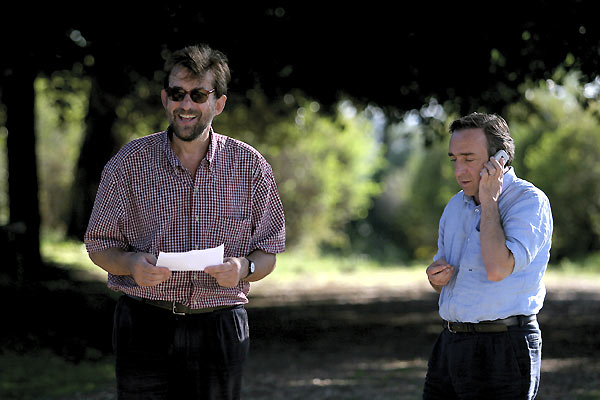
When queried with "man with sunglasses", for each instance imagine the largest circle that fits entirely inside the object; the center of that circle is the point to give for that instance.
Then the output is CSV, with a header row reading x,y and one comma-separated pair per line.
x,y
184,335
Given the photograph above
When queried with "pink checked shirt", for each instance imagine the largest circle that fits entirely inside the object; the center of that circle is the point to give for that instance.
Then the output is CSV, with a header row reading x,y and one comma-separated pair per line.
x,y
148,202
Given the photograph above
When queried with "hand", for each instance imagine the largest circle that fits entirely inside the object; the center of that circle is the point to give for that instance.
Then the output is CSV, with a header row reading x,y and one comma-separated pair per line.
x,y
439,273
143,269
229,273
490,184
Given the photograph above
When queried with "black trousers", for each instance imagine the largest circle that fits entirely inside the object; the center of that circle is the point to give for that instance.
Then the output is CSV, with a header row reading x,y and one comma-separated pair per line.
x,y
490,366
160,355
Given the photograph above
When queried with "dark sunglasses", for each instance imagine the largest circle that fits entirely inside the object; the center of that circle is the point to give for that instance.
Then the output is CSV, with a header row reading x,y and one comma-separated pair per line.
x,y
197,95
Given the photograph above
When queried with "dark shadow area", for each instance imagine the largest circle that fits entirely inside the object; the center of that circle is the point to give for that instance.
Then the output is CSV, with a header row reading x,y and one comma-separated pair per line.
x,y
73,318
379,350
327,349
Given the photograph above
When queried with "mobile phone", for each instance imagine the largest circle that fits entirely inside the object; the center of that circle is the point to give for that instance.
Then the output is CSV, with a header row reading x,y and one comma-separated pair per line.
x,y
501,154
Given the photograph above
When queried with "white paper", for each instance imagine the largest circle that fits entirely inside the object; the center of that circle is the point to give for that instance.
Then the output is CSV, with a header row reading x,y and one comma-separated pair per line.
x,y
195,260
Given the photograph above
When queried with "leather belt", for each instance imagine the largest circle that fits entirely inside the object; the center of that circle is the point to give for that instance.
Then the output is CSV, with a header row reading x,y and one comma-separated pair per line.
x,y
178,308
499,325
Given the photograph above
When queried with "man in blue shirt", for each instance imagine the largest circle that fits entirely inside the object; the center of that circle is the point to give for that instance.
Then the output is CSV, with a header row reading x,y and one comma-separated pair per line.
x,y
493,248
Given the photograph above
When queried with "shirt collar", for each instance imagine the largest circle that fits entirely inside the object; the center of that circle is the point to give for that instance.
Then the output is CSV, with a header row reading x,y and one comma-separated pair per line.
x,y
172,157
212,147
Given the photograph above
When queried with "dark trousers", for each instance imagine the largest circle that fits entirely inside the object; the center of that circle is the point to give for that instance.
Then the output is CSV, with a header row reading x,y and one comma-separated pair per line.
x,y
489,366
160,355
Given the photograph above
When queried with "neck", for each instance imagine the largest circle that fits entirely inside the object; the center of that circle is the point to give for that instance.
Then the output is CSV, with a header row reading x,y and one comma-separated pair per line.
x,y
191,153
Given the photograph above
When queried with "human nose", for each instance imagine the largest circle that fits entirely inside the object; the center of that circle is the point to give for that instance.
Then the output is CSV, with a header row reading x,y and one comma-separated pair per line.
x,y
459,168
187,101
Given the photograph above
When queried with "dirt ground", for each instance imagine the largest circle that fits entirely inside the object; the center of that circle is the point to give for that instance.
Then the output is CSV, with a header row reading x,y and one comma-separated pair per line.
x,y
351,344
373,343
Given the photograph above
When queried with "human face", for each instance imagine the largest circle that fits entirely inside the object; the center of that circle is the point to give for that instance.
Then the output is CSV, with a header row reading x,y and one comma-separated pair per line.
x,y
468,152
189,119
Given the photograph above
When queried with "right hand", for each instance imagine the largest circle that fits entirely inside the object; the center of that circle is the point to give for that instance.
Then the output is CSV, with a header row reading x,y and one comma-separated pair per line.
x,y
439,273
143,269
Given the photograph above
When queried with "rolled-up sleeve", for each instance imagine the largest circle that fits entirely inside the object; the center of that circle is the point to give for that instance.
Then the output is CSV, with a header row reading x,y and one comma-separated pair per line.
x,y
104,230
268,221
528,228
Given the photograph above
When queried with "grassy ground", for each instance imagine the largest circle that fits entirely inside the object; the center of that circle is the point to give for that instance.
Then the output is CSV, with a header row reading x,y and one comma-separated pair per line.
x,y
324,328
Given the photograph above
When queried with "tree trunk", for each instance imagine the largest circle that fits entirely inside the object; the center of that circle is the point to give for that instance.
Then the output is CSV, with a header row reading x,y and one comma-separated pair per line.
x,y
23,232
98,146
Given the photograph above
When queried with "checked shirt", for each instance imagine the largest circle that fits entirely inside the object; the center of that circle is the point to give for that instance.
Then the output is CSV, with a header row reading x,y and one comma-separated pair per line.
x,y
148,202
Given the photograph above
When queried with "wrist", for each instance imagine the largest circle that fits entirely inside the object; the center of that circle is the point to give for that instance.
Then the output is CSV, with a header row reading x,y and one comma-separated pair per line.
x,y
250,268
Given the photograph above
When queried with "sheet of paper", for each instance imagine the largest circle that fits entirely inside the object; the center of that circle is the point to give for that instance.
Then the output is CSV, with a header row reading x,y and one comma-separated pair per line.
x,y
195,260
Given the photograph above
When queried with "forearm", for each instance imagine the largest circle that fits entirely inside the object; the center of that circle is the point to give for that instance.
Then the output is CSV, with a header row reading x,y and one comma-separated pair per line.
x,y
263,262
114,260
497,258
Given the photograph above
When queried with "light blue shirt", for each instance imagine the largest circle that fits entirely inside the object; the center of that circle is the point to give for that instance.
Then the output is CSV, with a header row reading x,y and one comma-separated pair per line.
x,y
527,221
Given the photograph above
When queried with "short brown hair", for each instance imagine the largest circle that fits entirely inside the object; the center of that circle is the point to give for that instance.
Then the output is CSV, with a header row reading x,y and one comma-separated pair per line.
x,y
495,129
199,59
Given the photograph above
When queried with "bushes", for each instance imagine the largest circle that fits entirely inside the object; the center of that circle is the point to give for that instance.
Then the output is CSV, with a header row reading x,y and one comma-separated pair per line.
x,y
323,162
557,133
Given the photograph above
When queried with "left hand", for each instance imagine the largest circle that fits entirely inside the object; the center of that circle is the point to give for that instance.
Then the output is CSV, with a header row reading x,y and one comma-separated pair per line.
x,y
490,184
227,274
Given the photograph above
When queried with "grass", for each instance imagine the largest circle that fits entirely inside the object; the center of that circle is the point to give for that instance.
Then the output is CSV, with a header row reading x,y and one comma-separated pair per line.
x,y
291,266
41,375
294,267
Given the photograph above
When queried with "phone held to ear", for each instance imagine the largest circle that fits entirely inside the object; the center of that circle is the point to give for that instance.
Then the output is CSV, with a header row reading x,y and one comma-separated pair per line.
x,y
501,154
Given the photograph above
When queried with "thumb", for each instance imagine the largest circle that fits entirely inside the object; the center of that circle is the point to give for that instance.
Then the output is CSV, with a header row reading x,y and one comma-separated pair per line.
x,y
150,258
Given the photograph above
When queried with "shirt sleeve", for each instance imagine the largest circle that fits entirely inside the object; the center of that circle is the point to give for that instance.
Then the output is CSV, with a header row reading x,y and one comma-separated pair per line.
x,y
268,221
528,228
104,229
440,242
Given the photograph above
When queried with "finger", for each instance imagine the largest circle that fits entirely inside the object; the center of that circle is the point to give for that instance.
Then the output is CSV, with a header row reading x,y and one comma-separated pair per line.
x,y
442,270
497,163
436,269
214,269
156,271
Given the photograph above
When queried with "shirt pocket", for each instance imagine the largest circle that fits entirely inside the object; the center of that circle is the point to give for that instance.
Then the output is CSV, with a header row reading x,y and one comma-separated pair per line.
x,y
471,264
234,232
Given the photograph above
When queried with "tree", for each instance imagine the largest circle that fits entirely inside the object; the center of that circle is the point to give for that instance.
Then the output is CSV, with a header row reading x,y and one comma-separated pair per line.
x,y
557,134
23,230
323,162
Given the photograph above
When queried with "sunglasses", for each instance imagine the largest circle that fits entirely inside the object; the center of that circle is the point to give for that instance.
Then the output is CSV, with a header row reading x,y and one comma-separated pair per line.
x,y
197,95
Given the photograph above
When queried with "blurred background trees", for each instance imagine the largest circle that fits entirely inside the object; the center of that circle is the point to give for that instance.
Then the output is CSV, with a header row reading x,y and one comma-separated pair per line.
x,y
351,107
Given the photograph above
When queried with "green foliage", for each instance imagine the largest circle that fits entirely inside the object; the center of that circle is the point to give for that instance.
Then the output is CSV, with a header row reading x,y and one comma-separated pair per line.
x,y
330,166
324,164
431,184
140,113
557,135
61,104
418,188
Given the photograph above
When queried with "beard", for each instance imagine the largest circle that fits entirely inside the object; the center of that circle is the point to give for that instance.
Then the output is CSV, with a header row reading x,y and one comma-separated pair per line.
x,y
189,133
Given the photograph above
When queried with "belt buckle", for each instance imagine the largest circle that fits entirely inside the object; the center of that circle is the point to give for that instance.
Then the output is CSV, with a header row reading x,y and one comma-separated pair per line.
x,y
175,310
448,326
